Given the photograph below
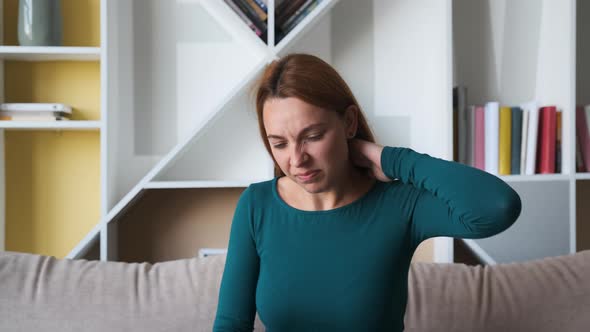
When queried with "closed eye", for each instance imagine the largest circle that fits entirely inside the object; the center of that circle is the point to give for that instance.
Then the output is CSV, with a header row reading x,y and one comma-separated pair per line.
x,y
314,137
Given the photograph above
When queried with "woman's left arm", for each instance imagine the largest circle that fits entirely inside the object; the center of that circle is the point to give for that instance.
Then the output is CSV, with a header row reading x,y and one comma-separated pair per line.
x,y
453,199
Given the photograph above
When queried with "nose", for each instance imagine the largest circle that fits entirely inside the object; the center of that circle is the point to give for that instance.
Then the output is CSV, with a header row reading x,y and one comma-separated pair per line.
x,y
299,156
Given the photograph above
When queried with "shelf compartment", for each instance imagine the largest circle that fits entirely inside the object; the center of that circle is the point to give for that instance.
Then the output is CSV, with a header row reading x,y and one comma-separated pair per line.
x,y
52,189
160,95
542,229
172,224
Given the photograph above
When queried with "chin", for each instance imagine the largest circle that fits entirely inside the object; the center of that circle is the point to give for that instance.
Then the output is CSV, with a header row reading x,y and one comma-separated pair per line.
x,y
313,187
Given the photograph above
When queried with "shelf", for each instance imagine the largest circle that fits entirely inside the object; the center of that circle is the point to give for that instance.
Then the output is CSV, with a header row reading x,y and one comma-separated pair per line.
x,y
49,53
535,177
57,125
197,184
582,176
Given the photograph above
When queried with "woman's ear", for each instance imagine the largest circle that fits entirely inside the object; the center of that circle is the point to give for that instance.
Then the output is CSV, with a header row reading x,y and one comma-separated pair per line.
x,y
351,120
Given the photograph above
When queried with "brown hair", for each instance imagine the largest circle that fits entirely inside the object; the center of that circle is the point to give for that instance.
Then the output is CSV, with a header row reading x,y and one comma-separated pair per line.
x,y
312,80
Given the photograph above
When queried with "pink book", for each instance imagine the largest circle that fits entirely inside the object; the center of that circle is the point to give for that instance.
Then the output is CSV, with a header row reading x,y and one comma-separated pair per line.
x,y
583,136
479,139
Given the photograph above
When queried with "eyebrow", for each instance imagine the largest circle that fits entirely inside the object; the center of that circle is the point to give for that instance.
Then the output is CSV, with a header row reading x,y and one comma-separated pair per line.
x,y
304,131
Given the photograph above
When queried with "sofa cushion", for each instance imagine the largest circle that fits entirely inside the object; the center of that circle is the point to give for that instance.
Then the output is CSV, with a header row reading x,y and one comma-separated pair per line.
x,y
550,294
48,294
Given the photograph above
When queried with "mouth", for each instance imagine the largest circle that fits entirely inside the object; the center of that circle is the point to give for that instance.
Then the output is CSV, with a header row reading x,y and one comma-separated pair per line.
x,y
307,176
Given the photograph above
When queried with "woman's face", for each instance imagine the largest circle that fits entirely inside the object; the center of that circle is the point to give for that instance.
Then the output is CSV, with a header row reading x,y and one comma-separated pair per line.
x,y
308,143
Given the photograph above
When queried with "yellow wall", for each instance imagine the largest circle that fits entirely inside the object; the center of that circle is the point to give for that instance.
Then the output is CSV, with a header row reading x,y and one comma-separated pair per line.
x,y
80,22
53,178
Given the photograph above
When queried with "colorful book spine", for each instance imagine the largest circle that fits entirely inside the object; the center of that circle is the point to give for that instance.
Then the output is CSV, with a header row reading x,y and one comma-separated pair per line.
x,y
492,136
504,152
558,142
479,144
516,143
524,142
546,138
531,149
583,135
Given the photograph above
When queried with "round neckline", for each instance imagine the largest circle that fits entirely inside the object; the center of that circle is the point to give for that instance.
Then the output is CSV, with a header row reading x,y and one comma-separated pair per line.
x,y
357,201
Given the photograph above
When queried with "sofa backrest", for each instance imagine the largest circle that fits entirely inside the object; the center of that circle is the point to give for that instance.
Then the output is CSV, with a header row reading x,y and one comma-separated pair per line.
x,y
44,293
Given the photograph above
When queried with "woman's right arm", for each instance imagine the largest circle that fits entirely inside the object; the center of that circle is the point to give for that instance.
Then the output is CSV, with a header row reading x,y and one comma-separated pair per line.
x,y
237,296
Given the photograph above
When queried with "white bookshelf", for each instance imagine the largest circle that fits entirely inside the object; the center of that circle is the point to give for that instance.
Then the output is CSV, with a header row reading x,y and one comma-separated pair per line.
x,y
180,110
514,52
49,53
45,54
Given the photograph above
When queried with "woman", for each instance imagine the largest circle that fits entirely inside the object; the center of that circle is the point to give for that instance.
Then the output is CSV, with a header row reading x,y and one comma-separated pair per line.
x,y
326,245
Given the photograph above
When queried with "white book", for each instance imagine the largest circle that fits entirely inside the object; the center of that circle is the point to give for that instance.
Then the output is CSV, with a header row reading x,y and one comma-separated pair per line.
x,y
34,113
35,107
533,125
38,118
492,136
523,142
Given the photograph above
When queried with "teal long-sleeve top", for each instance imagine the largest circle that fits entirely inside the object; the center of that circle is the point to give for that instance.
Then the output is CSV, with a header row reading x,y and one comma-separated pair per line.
x,y
346,269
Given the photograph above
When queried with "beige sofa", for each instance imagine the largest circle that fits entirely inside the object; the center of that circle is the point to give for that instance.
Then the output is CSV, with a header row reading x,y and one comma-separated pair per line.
x,y
39,293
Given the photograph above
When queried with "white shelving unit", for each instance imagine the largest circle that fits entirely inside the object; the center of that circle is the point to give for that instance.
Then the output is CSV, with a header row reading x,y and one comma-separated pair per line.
x,y
514,52
41,54
179,78
177,110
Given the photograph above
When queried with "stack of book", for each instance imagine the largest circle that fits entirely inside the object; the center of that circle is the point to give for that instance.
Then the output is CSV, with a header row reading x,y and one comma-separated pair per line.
x,y
502,140
35,112
289,13
583,138
254,13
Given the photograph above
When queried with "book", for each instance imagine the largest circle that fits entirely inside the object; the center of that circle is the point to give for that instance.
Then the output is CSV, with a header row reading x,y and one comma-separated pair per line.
x,y
531,146
558,142
546,139
479,138
33,118
244,18
516,142
35,107
34,113
583,137
504,147
295,17
258,9
524,140
492,120
300,17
